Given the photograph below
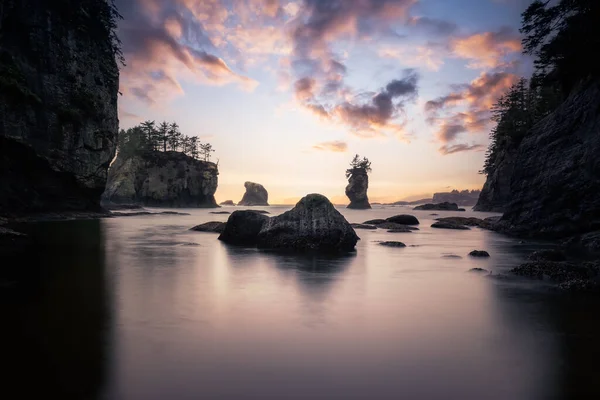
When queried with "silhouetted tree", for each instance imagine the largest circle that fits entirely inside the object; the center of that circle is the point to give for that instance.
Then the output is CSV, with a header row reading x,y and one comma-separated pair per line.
x,y
357,164
206,150
163,134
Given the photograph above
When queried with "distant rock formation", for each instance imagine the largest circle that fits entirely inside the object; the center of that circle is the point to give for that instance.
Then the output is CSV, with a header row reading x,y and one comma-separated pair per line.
x,y
313,225
164,179
58,105
358,183
256,195
409,203
462,198
555,175
440,207
227,203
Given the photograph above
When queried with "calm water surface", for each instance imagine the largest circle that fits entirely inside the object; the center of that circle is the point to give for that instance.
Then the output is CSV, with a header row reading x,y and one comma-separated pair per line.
x,y
143,308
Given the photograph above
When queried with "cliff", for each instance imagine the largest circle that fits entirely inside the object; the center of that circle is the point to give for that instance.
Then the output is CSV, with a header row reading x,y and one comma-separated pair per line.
x,y
356,191
462,198
555,177
58,104
496,194
255,195
162,179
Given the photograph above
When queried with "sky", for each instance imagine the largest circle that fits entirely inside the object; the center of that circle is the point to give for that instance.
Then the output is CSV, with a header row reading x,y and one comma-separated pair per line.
x,y
288,91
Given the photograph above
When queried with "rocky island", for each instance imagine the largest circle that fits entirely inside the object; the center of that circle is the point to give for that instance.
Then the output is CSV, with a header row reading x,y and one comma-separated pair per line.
x,y
358,183
255,195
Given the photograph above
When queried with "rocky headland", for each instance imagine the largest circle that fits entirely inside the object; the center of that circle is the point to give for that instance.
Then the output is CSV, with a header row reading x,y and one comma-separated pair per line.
x,y
462,198
163,179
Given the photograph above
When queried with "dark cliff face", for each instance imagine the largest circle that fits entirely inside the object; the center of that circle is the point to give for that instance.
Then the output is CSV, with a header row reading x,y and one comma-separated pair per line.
x,y
58,104
255,195
358,183
496,194
163,179
555,184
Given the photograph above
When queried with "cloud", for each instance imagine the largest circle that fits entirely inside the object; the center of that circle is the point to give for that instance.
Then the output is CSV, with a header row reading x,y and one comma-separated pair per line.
x,y
475,100
163,46
457,148
335,146
426,56
488,49
433,26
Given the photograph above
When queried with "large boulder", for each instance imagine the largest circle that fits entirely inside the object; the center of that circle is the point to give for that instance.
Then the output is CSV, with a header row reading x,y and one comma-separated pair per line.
x,y
312,225
59,84
358,183
243,227
162,179
256,195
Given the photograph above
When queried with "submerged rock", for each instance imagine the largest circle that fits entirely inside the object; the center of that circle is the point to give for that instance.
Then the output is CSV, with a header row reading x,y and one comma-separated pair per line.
x,y
358,183
220,212
393,225
242,228
312,225
449,225
392,244
451,256
162,179
467,221
363,226
404,219
400,230
256,195
440,206
213,226
479,253
478,270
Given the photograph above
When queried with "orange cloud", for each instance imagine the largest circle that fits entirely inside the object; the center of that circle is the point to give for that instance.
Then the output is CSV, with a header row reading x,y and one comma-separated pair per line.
x,y
486,50
335,146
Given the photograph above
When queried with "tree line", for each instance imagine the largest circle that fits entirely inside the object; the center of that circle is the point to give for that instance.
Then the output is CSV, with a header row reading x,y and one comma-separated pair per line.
x,y
560,36
150,137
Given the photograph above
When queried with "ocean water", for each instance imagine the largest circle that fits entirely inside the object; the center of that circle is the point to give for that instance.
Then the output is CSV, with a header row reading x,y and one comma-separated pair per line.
x,y
142,308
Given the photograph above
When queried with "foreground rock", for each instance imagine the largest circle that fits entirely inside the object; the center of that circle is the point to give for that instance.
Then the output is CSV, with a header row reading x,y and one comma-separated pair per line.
x,y
213,226
479,253
547,255
227,203
242,228
439,207
570,276
449,225
356,191
392,244
59,85
256,195
313,225
404,219
162,179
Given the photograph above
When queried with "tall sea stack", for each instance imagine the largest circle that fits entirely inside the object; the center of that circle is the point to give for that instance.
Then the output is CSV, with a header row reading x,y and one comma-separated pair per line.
x,y
358,183
59,83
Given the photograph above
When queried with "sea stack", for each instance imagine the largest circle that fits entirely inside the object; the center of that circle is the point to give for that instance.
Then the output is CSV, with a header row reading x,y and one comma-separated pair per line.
x,y
256,195
358,183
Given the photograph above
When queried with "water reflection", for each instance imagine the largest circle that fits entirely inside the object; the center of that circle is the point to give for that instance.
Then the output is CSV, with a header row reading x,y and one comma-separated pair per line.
x,y
56,322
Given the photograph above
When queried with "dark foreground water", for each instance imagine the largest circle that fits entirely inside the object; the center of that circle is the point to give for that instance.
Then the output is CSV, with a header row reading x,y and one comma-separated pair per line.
x,y
142,308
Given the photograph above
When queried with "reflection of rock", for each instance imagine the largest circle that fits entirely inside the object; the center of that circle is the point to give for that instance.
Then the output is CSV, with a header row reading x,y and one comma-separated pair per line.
x,y
312,225
358,183
256,195
227,203
404,219
392,244
162,179
213,226
479,253
449,225
242,228
439,207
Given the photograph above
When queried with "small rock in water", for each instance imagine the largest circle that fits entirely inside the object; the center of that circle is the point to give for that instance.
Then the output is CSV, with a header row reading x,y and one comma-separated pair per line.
x,y
392,244
434,214
479,253
363,226
213,226
451,256
404,219
375,222
393,225
259,211
478,270
400,230
220,212
449,225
